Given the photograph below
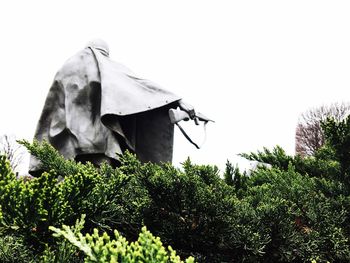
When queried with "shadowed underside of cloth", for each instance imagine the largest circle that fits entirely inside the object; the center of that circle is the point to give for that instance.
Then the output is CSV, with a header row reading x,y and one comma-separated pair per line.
x,y
97,108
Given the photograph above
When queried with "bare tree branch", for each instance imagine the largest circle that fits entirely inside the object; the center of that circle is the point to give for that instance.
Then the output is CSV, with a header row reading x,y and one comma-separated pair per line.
x,y
309,136
13,151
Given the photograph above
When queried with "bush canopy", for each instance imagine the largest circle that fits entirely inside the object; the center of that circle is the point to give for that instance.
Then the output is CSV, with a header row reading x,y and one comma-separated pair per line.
x,y
297,210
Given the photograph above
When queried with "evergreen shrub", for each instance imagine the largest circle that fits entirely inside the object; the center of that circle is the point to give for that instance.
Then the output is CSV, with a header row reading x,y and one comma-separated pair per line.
x,y
296,211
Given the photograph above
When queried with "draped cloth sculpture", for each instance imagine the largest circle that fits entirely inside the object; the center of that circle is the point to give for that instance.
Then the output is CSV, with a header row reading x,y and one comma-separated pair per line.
x,y
97,108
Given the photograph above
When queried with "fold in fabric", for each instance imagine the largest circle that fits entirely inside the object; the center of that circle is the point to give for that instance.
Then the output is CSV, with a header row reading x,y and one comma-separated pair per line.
x,y
97,107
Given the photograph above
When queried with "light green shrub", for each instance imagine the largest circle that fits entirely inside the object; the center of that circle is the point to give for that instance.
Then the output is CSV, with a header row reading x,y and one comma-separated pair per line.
x,y
103,248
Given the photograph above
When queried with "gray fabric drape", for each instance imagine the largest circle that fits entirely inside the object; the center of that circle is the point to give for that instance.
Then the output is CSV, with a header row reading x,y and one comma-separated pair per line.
x,y
96,106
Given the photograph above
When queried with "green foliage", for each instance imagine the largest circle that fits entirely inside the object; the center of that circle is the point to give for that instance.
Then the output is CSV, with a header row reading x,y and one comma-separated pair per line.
x,y
103,248
29,207
322,164
277,157
64,251
196,212
296,211
305,199
14,250
301,221
229,173
50,159
233,177
338,139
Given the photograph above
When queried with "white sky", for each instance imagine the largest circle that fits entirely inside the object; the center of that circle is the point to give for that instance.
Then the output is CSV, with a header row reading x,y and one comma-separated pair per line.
x,y
252,66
